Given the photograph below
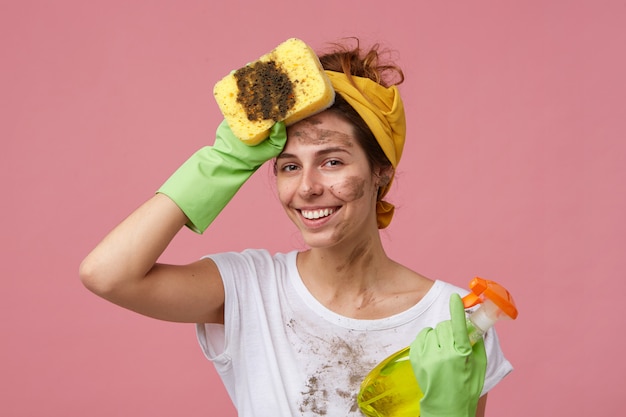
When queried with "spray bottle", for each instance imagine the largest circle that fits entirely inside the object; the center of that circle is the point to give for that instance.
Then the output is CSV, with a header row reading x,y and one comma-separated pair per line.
x,y
391,390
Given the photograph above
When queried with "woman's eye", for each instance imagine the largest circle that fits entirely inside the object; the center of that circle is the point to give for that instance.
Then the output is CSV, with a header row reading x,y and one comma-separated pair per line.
x,y
289,167
333,162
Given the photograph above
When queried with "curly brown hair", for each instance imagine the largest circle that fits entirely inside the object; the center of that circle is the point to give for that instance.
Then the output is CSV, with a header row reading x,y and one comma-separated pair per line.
x,y
353,60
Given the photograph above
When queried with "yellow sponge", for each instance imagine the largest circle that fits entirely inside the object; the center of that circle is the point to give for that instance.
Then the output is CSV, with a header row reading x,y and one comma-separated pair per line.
x,y
287,84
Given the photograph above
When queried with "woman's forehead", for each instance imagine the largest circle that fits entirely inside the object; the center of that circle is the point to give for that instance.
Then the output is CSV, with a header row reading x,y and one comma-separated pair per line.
x,y
322,129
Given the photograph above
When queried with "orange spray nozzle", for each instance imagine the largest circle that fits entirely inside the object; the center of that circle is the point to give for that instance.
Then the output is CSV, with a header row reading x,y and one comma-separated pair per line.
x,y
482,288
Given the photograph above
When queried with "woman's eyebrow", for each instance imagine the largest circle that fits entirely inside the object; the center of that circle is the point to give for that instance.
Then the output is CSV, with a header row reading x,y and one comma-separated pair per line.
x,y
285,155
321,152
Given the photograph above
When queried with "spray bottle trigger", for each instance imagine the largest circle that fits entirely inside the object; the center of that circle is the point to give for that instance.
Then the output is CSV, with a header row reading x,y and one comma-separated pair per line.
x,y
482,288
471,299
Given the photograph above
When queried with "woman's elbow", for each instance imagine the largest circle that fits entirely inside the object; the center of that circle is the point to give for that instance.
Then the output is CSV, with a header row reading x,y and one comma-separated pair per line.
x,y
95,278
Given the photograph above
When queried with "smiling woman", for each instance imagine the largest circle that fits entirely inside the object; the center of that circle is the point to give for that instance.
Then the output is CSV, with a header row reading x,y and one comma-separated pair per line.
x,y
295,333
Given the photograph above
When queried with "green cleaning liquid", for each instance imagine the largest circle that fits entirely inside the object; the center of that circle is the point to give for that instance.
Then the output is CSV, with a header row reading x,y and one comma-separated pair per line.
x,y
391,389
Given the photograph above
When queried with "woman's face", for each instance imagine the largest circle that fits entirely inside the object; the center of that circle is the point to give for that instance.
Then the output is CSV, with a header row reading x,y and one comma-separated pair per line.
x,y
325,182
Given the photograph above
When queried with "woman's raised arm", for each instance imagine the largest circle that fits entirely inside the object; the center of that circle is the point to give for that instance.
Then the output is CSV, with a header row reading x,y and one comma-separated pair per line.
x,y
123,268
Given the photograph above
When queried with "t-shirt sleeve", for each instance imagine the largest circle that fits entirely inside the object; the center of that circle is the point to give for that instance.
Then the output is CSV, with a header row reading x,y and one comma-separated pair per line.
x,y
241,274
497,365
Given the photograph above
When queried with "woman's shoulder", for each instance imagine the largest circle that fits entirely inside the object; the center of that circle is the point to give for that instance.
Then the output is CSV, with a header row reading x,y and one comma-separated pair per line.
x,y
253,258
427,290
427,284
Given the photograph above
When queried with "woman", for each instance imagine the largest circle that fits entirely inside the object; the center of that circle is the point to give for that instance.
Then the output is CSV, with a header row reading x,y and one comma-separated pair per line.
x,y
295,333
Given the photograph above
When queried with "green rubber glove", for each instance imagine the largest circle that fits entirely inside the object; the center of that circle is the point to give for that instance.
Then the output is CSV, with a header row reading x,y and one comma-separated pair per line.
x,y
449,371
209,179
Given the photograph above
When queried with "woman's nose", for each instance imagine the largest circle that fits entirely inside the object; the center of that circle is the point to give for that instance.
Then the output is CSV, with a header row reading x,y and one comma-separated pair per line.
x,y
310,183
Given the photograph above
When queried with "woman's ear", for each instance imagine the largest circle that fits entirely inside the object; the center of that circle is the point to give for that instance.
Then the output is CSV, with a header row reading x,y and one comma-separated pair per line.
x,y
384,175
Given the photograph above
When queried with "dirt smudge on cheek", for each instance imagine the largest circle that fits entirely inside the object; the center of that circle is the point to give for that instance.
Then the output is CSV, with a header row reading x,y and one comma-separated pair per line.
x,y
351,189
348,191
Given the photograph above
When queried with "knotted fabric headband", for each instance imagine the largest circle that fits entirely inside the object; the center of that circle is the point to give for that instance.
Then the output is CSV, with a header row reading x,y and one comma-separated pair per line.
x,y
382,110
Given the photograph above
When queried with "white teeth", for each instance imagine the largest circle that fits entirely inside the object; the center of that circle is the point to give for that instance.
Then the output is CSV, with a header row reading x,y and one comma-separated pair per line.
x,y
316,214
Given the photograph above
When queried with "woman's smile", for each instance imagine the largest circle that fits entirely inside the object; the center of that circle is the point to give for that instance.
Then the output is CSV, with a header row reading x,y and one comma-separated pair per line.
x,y
316,213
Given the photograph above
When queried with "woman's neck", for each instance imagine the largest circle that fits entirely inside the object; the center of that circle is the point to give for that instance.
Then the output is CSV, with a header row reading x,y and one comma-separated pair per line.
x,y
347,280
360,281
353,263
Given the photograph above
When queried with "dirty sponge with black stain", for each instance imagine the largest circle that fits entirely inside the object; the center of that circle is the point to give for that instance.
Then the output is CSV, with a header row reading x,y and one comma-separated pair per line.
x,y
287,84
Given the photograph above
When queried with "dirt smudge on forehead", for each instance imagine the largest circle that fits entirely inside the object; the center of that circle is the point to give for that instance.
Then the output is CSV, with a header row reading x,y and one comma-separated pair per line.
x,y
309,132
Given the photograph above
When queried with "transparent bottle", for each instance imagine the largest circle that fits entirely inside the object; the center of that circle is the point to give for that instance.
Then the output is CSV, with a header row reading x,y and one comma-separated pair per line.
x,y
391,390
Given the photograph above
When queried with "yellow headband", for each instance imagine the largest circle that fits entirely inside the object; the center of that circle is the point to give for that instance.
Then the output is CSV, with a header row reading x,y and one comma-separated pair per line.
x,y
382,110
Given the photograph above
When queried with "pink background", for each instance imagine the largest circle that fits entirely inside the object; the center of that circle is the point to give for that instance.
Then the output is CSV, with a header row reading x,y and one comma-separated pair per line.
x,y
514,171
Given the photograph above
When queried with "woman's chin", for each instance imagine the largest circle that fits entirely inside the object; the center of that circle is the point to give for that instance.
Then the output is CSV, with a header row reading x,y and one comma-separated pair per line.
x,y
319,240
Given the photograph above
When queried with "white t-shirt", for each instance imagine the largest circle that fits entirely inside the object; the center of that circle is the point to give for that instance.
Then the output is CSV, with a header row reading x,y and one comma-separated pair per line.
x,y
282,353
